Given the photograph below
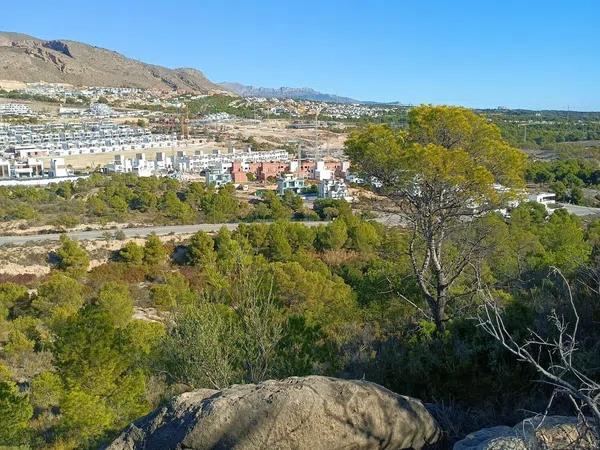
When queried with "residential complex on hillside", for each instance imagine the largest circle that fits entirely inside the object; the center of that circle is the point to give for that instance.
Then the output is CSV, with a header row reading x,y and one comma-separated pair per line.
x,y
238,167
73,139
15,109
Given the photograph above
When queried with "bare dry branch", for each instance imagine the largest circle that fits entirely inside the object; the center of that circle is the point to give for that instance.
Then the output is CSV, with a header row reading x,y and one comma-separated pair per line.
x,y
560,372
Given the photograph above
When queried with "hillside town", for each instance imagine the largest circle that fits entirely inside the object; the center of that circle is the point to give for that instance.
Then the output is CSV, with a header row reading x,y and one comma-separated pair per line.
x,y
38,153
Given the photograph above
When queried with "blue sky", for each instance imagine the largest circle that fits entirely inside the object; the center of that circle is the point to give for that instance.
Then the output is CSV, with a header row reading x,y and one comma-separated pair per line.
x,y
530,53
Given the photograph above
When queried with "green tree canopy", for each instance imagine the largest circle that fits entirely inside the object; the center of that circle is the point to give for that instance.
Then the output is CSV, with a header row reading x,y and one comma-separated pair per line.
x,y
201,250
132,253
441,172
71,257
115,301
154,251
10,294
58,298
333,236
15,411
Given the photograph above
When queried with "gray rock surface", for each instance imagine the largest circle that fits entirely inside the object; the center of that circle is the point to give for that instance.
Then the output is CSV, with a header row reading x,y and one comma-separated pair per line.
x,y
557,432
494,438
296,413
537,433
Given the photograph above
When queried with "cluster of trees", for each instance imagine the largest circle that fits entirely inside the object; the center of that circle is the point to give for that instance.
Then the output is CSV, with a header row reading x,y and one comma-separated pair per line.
x,y
545,129
349,298
220,103
565,177
76,366
75,347
138,199
442,172
164,199
17,95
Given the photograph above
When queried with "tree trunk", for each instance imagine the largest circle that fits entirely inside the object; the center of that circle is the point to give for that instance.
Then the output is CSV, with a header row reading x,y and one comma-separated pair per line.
x,y
439,311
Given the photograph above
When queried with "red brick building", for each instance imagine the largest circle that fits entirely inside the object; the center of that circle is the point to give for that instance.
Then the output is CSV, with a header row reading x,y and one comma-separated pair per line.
x,y
265,170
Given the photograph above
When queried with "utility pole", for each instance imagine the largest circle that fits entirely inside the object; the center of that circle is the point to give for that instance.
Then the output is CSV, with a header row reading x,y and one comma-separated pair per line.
x,y
524,125
299,159
317,133
184,118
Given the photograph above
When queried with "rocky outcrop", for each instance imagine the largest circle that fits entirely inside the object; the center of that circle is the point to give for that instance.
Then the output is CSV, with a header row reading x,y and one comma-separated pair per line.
x,y
58,46
296,413
549,433
495,438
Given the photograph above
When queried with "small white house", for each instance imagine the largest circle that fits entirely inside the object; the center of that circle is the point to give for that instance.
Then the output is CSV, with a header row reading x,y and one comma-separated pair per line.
x,y
547,199
218,178
289,182
58,168
120,165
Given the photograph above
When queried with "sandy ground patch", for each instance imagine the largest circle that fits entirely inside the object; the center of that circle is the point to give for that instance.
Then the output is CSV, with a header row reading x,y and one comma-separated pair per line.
x,y
11,85
33,258
21,227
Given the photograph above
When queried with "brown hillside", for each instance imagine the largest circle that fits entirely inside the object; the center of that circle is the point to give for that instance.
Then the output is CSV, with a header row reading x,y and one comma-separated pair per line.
x,y
28,59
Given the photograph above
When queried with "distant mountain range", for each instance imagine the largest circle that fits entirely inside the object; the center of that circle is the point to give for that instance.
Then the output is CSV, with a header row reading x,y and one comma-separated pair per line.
x,y
28,59
285,92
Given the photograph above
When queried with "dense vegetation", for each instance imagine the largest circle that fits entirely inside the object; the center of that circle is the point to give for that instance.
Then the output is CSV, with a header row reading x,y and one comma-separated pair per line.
x,y
566,178
220,103
269,301
83,352
544,132
17,95
128,198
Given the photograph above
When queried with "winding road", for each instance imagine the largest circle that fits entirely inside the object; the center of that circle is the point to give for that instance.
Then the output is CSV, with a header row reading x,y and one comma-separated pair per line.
x,y
129,232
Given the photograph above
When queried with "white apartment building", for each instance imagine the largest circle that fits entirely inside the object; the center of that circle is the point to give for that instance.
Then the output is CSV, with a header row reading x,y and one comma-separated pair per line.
x,y
119,165
101,109
15,109
26,168
290,182
321,172
143,167
217,178
202,161
58,168
29,168
335,189
140,166
77,139
26,151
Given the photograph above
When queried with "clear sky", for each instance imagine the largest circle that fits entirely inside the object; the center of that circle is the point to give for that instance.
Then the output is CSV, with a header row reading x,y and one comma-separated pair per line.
x,y
481,53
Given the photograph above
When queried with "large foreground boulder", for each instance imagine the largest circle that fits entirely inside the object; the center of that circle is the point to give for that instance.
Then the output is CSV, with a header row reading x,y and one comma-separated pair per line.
x,y
537,433
296,413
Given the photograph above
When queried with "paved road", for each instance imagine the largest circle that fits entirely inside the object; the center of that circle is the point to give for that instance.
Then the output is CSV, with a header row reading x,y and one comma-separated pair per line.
x,y
581,210
384,218
129,232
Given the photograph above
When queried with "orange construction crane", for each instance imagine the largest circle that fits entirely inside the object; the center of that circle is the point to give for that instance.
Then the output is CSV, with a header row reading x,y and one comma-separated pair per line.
x,y
184,120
